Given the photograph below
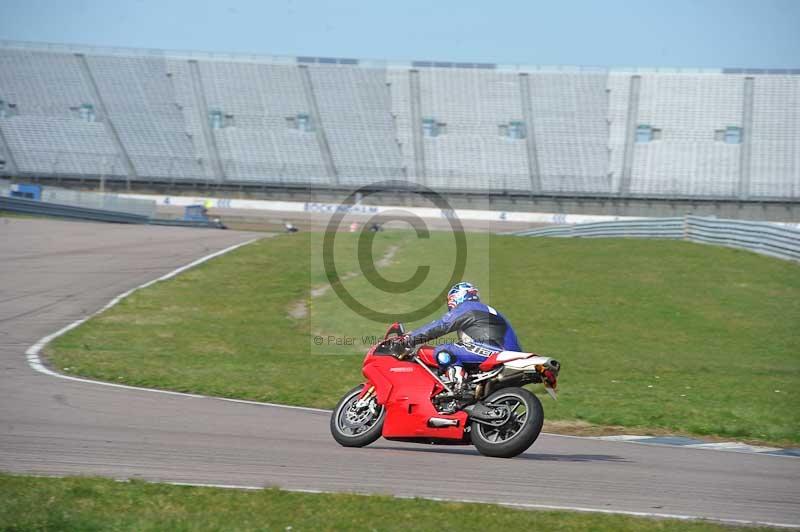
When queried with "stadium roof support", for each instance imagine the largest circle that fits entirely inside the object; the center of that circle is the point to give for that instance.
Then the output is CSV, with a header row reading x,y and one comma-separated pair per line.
x,y
530,137
130,170
745,148
416,124
319,127
202,108
630,134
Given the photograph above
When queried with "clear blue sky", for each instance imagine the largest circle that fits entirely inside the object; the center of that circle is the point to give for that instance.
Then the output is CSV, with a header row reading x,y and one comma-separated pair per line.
x,y
691,33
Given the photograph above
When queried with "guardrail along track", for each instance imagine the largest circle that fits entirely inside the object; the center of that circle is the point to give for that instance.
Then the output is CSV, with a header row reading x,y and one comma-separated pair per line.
x,y
760,237
57,210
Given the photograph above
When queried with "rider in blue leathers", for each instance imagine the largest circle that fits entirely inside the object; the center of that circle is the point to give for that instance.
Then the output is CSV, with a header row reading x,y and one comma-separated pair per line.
x,y
481,331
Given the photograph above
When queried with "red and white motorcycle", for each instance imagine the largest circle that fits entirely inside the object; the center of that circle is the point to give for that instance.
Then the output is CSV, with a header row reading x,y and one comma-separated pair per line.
x,y
405,399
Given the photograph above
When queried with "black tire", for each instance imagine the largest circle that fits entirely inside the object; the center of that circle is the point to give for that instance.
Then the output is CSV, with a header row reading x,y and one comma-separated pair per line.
x,y
354,437
520,436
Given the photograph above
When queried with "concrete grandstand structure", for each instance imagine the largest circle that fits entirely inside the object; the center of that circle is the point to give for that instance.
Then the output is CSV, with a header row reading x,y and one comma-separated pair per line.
x,y
148,116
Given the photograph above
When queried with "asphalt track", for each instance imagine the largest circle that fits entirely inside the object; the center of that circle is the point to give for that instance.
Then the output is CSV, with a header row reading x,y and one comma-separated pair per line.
x,y
53,273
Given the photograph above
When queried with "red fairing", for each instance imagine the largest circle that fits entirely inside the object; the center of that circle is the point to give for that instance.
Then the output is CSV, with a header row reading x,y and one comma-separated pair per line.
x,y
369,354
425,354
490,362
376,378
406,389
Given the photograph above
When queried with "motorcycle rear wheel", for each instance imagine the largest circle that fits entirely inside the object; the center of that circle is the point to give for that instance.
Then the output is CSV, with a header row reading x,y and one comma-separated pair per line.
x,y
518,433
354,427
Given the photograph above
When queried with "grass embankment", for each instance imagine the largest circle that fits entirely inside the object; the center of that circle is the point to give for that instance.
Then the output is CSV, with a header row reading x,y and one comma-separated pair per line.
x,y
28,503
653,335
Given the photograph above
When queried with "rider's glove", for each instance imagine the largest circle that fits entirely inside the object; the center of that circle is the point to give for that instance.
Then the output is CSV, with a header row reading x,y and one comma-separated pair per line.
x,y
400,346
407,341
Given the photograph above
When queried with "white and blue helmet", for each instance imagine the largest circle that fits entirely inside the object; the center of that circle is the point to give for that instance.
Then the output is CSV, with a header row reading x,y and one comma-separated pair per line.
x,y
462,292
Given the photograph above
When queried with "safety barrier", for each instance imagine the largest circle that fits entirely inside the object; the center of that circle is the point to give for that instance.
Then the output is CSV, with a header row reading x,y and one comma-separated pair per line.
x,y
42,208
93,200
760,237
174,222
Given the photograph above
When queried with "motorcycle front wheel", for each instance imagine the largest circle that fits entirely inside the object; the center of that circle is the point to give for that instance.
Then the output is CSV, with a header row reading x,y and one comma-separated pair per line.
x,y
517,432
354,425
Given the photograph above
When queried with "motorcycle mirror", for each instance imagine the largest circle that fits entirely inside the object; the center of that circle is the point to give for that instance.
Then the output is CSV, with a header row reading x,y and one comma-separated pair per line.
x,y
395,328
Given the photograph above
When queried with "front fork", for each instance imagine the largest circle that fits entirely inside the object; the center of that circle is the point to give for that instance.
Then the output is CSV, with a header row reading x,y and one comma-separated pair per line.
x,y
366,398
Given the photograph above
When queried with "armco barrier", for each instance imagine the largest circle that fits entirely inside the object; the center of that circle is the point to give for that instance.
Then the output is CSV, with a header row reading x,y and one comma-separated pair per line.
x,y
175,222
41,208
647,227
100,201
760,237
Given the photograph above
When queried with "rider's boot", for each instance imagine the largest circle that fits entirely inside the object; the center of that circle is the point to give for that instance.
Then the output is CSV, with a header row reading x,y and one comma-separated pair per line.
x,y
454,377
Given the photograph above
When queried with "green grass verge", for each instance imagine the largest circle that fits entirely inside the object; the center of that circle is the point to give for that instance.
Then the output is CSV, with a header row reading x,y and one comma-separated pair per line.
x,y
663,335
86,504
10,214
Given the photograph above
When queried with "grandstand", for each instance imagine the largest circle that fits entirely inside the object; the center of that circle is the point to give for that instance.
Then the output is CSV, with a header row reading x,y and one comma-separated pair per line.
x,y
177,117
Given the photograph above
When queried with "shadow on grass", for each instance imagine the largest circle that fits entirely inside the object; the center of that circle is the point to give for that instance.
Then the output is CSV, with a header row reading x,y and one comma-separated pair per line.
x,y
427,448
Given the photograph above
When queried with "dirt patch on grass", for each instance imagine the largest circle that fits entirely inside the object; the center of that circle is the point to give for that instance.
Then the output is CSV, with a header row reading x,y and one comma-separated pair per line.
x,y
388,257
299,309
583,428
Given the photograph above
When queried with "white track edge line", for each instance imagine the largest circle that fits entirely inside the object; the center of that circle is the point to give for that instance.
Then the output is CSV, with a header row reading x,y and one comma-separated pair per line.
x,y
35,362
520,505
721,446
